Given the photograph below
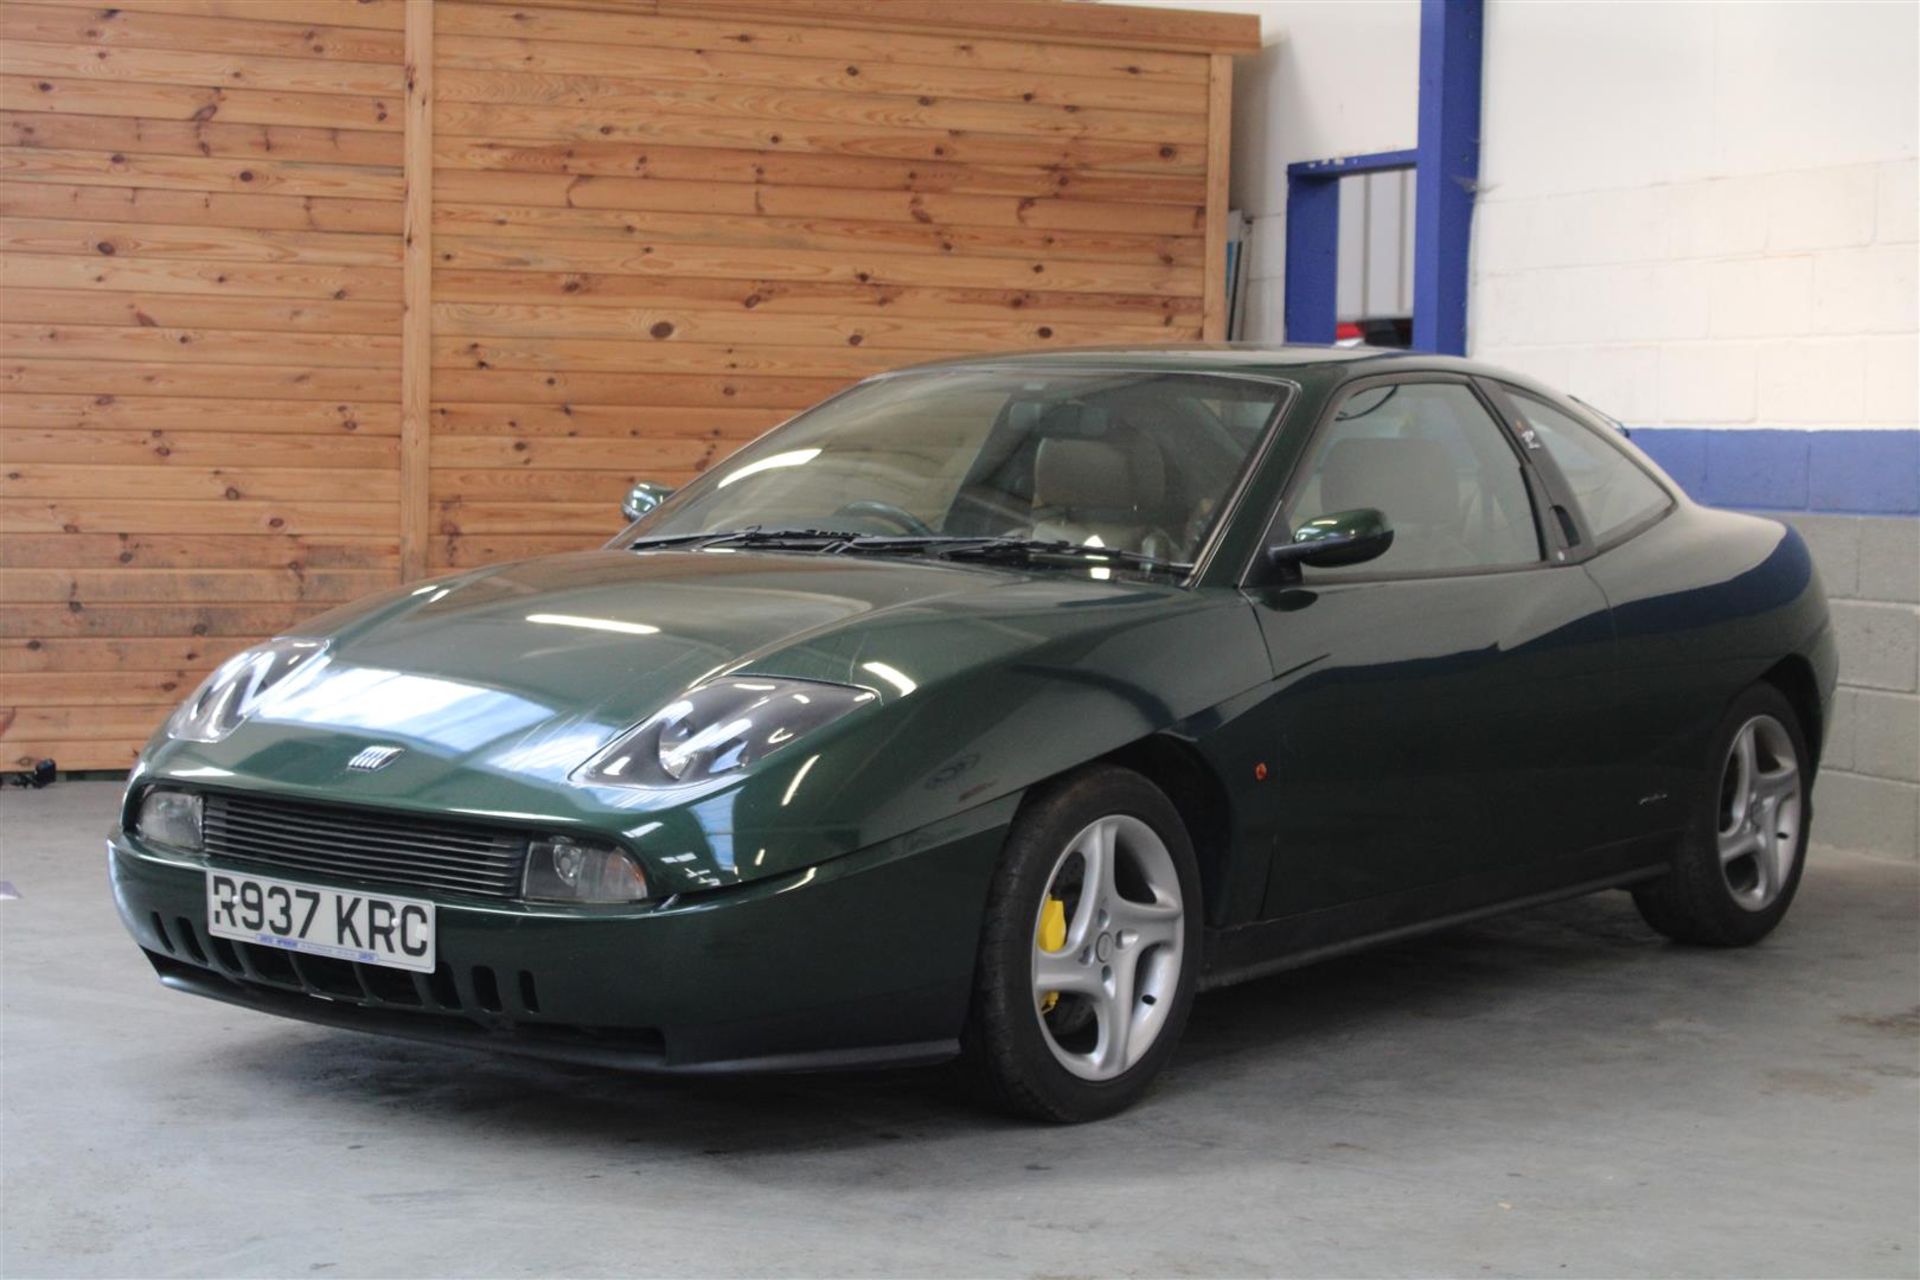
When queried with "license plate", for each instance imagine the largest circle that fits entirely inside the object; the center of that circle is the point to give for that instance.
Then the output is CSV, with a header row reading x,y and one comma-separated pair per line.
x,y
371,928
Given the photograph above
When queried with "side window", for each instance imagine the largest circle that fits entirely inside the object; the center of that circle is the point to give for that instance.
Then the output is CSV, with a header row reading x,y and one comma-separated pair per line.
x,y
1612,491
1436,463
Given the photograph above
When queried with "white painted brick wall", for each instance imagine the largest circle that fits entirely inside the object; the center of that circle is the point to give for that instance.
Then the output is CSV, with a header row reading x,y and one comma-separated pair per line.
x,y
1812,383
1867,290
1706,382
1704,215
1716,217
1760,297
1623,377
1690,214
1898,220
1893,379
1822,208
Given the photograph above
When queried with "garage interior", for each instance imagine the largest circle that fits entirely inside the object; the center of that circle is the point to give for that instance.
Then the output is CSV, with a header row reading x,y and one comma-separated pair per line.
x,y
307,299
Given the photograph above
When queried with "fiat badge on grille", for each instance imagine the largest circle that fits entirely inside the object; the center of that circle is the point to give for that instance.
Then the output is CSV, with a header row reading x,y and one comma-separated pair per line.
x,y
374,758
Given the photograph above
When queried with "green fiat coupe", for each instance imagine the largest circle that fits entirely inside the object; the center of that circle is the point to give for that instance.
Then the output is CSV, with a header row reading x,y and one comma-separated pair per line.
x,y
991,710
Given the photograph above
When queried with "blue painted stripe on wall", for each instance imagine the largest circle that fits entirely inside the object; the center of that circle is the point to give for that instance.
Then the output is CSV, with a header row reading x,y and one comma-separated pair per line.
x,y
1843,472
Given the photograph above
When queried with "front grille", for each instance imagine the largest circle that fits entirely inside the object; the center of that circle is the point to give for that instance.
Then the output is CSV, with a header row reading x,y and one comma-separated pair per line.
x,y
420,853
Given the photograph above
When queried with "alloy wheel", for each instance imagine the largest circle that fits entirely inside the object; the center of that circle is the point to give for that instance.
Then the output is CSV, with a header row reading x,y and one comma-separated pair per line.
x,y
1759,814
1108,940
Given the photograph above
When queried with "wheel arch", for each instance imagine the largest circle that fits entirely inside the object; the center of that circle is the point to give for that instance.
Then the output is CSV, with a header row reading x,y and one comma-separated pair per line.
x,y
1198,795
1793,677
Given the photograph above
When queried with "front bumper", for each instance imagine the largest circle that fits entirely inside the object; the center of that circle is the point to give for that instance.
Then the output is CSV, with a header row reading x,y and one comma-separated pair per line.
x,y
864,959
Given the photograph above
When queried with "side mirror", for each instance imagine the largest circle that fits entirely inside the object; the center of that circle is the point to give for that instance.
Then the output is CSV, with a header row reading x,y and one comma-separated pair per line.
x,y
642,498
1332,541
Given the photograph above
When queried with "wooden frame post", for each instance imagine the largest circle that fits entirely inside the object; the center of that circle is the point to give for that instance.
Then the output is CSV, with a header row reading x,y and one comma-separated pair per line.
x,y
416,335
1214,301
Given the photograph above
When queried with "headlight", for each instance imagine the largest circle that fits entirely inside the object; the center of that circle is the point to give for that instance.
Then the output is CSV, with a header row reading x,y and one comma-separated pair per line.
x,y
562,869
718,728
232,692
171,818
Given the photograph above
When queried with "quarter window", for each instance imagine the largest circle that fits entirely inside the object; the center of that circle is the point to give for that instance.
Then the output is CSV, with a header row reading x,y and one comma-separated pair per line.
x,y
1437,464
1613,493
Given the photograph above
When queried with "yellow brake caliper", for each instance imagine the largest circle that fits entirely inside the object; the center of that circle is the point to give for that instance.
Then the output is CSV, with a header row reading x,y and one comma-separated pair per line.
x,y
1052,936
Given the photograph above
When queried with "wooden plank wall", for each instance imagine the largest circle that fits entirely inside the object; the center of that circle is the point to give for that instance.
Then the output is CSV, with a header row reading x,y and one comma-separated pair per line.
x,y
657,235
200,214
300,296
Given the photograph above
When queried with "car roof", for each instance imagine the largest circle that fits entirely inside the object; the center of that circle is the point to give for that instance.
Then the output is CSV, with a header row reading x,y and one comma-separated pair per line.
x,y
1293,361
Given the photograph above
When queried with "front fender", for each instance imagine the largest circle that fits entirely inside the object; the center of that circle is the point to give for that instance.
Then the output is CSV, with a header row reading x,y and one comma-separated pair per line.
x,y
981,709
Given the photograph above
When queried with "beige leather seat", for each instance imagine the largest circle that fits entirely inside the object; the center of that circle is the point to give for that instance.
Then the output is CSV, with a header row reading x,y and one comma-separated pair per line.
x,y
1414,482
1109,494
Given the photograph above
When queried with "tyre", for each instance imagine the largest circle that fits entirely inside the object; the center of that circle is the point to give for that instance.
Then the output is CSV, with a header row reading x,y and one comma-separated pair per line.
x,y
1089,949
1739,864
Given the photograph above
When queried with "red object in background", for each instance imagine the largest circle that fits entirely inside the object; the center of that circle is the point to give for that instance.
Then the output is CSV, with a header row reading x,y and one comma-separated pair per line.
x,y
1347,331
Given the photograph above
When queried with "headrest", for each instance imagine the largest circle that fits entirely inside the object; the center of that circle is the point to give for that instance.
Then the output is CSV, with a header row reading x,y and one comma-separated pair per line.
x,y
1414,482
1095,475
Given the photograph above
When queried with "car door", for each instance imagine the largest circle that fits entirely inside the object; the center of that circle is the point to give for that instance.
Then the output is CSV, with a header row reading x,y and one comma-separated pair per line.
x,y
1428,728
1608,501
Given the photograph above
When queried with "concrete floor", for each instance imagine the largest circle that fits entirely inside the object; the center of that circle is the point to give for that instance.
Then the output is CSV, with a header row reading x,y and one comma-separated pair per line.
x,y
1553,1094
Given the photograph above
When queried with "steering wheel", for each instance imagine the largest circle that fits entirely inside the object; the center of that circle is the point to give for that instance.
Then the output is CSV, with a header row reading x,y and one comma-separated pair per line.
x,y
878,510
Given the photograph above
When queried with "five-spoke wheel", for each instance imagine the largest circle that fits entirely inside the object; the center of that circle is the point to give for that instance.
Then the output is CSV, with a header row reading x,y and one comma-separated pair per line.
x,y
1759,827
1107,950
1089,948
1735,870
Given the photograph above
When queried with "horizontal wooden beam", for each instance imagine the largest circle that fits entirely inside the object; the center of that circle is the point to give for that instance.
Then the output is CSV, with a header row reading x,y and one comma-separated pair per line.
x,y
1174,30
1037,21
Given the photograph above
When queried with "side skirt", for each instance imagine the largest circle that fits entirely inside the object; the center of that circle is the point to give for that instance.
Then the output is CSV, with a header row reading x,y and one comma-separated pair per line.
x,y
1274,946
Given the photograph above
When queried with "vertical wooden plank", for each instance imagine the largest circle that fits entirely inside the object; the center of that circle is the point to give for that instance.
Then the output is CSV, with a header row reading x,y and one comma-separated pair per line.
x,y
416,334
1213,316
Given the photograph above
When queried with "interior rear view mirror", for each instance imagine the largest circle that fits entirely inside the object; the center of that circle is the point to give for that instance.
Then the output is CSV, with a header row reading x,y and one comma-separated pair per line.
x,y
642,498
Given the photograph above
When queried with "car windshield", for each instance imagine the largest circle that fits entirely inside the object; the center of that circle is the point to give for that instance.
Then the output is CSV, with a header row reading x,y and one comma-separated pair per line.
x,y
1129,461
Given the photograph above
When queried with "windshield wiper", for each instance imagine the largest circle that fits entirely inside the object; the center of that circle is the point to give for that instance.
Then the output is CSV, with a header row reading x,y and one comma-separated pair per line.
x,y
884,542
942,546
752,536
1028,550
